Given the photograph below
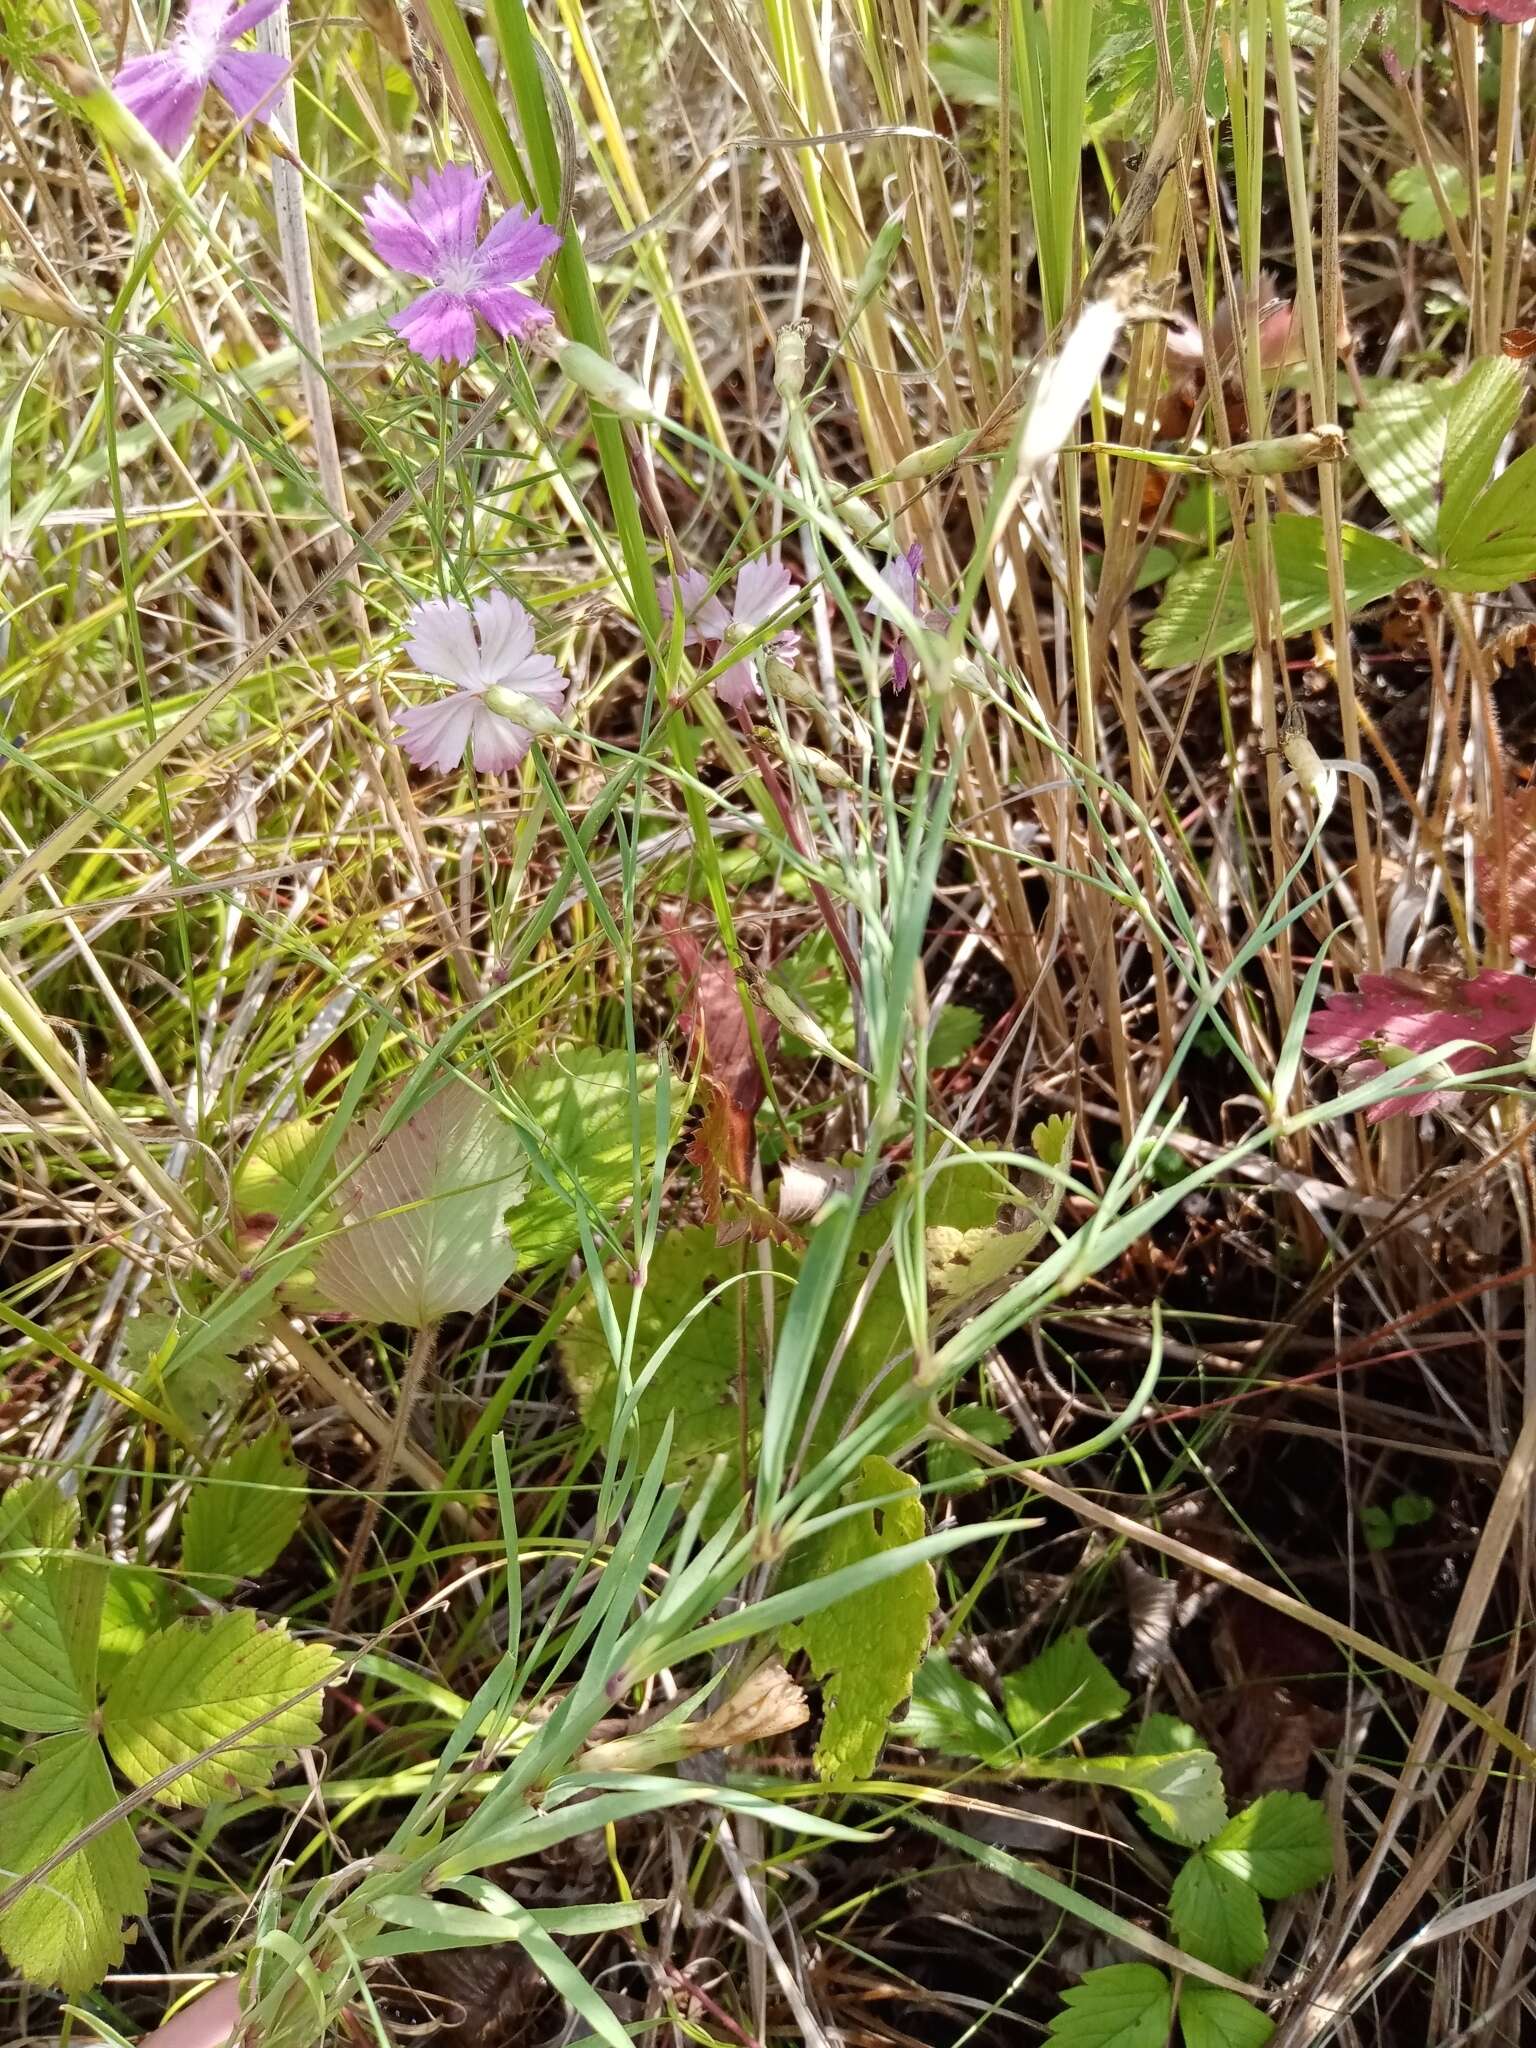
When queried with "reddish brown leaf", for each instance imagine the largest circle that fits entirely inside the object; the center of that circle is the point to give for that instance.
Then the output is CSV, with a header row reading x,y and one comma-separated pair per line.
x,y
715,1019
1494,1011
1509,12
1506,875
1519,343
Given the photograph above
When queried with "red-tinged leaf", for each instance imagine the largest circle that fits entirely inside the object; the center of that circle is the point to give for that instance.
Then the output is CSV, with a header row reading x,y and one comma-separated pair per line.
x,y
1420,1012
1510,13
1506,874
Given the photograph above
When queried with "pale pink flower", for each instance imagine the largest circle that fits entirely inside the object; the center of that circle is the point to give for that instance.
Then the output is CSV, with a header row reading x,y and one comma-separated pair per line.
x,y
432,234
901,573
487,650
762,589
165,90
1496,1010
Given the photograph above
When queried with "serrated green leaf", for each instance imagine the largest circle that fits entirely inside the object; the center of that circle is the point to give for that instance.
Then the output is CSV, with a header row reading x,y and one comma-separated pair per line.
x,y
696,1394
1051,1141
582,1103
1181,1793
1217,1917
1205,611
1398,439
1213,2018
1483,407
34,1517
1123,66
952,1715
1127,2005
950,1465
270,1179
1418,218
50,1608
197,1682
1165,1735
955,1030
135,1607
964,67
1279,1845
198,1374
67,1930
865,1650
1058,1694
241,1516
422,1212
1495,543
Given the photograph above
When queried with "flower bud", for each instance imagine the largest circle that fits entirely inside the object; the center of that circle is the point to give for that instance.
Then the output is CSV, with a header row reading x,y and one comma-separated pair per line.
x,y
34,301
531,712
605,381
933,460
789,361
861,518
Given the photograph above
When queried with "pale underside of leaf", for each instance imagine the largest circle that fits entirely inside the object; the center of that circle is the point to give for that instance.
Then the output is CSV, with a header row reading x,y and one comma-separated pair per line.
x,y
422,1213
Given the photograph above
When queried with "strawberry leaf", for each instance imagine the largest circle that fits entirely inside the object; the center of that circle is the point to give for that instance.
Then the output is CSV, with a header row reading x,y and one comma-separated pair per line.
x,y
67,1930
198,1682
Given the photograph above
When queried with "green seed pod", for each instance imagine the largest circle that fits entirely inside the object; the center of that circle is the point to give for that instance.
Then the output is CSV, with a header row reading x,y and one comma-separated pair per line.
x,y
789,361
861,518
528,711
1279,457
877,266
932,461
605,381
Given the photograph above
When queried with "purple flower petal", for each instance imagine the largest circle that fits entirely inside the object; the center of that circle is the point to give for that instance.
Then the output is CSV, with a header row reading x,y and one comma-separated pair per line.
x,y
500,743
705,617
505,632
507,310
901,667
900,573
761,590
516,246
396,238
435,735
246,17
442,642
163,96
446,205
250,80
439,326
738,687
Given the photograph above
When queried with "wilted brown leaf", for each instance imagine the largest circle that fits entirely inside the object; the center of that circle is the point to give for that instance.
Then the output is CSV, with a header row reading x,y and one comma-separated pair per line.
x,y
714,1016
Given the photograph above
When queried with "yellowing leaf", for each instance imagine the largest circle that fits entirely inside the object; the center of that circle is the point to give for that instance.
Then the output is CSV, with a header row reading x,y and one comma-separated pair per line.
x,y
864,1649
50,1606
67,1930
421,1213
198,1682
242,1514
269,1180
